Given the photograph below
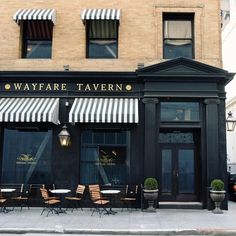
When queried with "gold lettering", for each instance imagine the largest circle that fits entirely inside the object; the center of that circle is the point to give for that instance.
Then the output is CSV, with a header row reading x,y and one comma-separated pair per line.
x,y
17,86
87,87
34,86
110,87
41,86
118,87
79,86
103,87
63,87
55,87
48,87
26,87
95,86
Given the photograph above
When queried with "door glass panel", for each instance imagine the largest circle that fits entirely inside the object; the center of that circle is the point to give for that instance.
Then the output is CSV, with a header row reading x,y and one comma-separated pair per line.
x,y
186,171
166,171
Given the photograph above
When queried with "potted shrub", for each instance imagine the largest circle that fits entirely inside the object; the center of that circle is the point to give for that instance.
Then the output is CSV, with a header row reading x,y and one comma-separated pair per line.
x,y
150,192
217,194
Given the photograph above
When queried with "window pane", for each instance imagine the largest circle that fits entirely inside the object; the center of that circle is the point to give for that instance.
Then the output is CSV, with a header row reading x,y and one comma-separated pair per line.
x,y
98,137
177,48
110,138
186,171
121,137
30,159
178,29
166,170
102,49
87,137
179,111
38,49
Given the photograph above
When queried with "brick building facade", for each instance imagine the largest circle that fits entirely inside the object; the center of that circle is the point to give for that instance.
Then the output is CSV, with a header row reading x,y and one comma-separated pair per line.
x,y
138,85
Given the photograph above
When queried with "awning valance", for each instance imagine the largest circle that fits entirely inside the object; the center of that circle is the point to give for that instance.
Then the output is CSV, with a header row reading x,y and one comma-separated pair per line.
x,y
29,110
100,14
104,110
35,14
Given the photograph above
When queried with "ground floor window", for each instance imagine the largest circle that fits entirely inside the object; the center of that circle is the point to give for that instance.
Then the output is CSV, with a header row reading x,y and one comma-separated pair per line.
x,y
26,156
105,157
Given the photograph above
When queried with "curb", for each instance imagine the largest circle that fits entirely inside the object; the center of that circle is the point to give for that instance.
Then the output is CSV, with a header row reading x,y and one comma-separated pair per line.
x,y
215,232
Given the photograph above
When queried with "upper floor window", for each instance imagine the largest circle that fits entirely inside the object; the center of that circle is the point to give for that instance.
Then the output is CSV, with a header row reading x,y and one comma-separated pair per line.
x,y
37,30
37,39
101,32
178,35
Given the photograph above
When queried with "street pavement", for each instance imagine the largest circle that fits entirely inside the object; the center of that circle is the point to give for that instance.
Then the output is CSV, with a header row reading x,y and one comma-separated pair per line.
x,y
137,222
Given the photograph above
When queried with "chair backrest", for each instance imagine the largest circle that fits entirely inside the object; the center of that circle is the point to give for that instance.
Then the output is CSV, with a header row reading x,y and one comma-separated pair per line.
x,y
80,189
44,193
131,191
94,191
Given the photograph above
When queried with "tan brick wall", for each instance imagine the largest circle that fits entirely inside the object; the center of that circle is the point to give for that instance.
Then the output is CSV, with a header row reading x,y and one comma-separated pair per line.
x,y
140,33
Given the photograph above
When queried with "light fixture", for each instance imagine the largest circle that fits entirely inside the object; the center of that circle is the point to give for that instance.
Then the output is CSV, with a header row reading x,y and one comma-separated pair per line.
x,y
230,122
66,67
64,137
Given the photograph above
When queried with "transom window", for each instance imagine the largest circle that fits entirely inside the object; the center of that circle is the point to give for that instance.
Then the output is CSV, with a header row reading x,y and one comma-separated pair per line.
x,y
178,35
179,111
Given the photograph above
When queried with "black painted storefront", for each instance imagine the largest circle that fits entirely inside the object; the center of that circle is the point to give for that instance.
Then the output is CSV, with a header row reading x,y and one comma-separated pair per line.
x,y
152,140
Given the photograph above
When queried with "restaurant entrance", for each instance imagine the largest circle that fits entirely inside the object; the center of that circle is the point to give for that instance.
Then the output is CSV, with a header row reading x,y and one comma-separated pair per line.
x,y
179,168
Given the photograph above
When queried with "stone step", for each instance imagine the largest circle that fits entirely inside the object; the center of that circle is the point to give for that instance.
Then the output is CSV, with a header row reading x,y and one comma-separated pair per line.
x,y
180,205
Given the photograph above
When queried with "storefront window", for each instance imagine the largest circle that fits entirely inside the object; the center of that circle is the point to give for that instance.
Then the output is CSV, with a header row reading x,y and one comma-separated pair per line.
x,y
107,161
179,111
26,156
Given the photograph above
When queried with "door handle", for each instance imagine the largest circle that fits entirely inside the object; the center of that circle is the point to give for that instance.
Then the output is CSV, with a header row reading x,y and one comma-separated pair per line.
x,y
176,173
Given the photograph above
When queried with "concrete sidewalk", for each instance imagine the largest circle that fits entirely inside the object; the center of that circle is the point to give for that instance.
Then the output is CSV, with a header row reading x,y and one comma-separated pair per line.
x,y
162,222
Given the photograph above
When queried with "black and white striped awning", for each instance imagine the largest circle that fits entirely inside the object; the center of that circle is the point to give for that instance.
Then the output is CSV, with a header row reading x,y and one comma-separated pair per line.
x,y
104,110
29,110
35,14
100,14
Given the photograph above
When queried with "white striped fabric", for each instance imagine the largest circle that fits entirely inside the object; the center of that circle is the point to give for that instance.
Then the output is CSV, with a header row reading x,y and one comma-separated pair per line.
x,y
29,110
35,14
100,14
104,110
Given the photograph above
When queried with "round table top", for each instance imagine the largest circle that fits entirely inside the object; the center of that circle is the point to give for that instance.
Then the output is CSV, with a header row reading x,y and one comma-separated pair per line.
x,y
110,191
60,190
7,190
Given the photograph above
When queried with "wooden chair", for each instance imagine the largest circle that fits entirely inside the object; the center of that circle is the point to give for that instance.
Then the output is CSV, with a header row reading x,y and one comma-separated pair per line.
x,y
49,202
99,202
130,196
3,203
75,200
23,198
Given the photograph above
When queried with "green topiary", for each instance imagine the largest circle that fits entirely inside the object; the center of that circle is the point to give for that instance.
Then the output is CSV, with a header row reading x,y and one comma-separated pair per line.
x,y
217,185
150,184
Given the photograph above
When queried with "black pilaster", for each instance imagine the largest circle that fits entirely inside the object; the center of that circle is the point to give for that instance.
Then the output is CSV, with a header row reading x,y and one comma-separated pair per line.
x,y
150,137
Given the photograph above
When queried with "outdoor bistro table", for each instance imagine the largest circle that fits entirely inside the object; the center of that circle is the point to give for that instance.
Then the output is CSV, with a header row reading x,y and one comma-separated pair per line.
x,y
60,192
7,191
111,193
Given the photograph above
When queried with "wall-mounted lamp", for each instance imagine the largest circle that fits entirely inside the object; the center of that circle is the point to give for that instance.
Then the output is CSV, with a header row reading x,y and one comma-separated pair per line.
x,y
64,137
66,67
230,122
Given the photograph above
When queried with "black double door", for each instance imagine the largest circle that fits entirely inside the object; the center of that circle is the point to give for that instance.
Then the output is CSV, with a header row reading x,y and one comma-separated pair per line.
x,y
178,172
